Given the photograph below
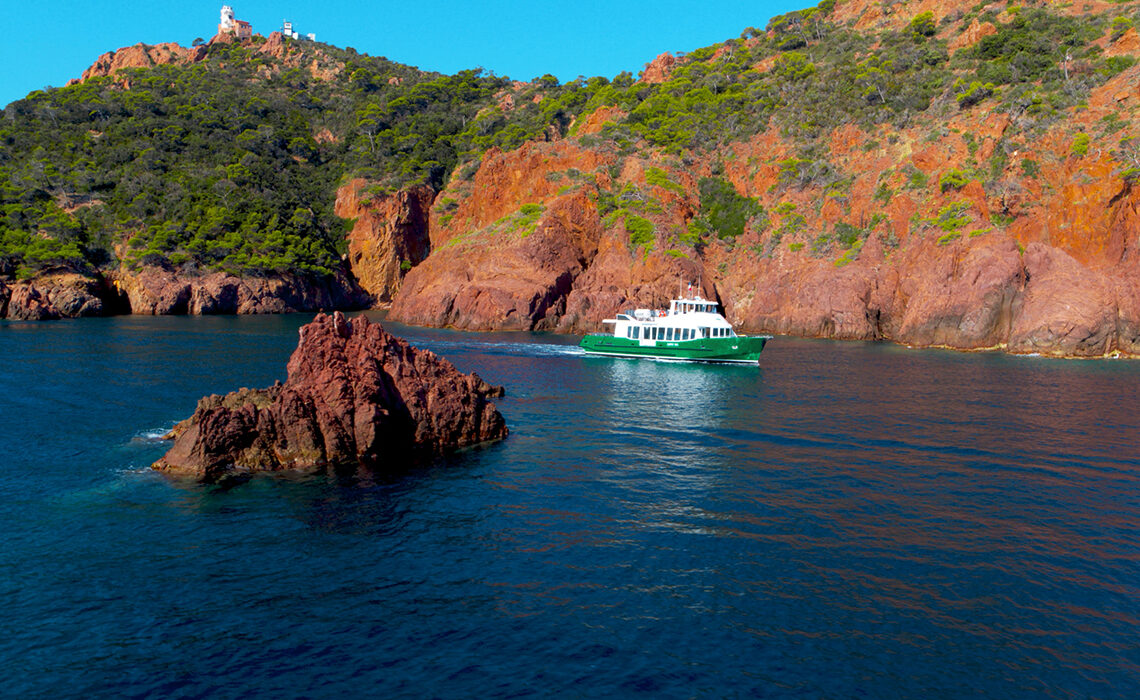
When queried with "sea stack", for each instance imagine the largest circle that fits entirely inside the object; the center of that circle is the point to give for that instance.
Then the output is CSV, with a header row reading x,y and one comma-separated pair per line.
x,y
356,396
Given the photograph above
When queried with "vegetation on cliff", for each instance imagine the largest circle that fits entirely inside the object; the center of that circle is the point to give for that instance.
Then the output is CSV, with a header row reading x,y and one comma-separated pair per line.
x,y
226,164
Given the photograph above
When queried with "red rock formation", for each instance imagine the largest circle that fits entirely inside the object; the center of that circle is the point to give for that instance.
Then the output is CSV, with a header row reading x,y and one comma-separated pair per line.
x,y
659,69
390,235
504,277
972,35
596,120
1067,309
157,291
26,303
355,396
142,56
57,294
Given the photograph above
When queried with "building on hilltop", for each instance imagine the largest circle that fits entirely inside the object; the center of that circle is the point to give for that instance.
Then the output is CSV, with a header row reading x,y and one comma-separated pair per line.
x,y
288,31
236,27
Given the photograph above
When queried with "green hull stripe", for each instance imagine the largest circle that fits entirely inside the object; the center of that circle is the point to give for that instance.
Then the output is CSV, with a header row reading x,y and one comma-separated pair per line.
x,y
738,349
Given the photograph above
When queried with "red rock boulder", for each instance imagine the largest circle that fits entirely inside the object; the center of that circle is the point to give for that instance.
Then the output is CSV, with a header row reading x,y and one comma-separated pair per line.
x,y
356,396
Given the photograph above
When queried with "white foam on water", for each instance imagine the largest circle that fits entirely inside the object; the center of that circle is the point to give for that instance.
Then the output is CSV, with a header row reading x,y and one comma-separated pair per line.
x,y
517,349
151,436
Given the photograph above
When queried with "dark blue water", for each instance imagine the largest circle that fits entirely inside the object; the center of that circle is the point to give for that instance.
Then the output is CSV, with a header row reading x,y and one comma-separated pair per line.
x,y
845,520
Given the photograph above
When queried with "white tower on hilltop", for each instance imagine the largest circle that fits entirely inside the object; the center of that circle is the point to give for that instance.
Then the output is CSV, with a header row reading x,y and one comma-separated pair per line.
x,y
227,22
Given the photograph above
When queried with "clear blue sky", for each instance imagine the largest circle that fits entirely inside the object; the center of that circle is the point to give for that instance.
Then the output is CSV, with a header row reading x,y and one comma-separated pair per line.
x,y
48,42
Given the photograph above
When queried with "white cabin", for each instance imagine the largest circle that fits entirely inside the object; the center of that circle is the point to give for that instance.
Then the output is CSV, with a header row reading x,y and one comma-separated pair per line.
x,y
686,319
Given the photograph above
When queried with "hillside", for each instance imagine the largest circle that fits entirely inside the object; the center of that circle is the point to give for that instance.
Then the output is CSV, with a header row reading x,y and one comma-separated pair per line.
x,y
934,172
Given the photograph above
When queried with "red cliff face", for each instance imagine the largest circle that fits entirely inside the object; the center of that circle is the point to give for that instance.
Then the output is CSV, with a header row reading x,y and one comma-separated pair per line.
x,y
1042,262
355,397
389,237
526,247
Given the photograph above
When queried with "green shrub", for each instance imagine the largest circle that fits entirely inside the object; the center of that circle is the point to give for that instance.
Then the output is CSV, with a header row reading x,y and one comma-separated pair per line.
x,y
953,216
1030,168
640,231
923,26
846,234
659,178
1120,25
953,179
1080,145
723,210
975,92
916,179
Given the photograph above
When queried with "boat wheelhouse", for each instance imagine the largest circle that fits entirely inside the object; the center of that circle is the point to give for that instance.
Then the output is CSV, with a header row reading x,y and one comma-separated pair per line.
x,y
690,330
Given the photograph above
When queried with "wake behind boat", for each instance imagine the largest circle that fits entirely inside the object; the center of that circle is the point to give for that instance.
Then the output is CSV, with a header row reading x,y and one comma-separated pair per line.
x,y
691,330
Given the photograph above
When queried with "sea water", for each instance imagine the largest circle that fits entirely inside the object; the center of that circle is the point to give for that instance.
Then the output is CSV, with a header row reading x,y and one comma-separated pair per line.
x,y
846,519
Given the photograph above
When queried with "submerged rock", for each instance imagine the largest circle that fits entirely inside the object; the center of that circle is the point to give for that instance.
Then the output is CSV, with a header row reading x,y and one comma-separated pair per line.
x,y
356,396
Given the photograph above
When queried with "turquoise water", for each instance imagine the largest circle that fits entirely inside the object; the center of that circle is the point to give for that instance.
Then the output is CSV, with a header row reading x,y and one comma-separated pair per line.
x,y
847,519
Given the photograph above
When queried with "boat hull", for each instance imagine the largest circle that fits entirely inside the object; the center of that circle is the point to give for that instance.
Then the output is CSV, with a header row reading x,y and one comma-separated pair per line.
x,y
739,349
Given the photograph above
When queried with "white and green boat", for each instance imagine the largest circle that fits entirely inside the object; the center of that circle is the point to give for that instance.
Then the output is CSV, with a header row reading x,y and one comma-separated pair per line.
x,y
691,330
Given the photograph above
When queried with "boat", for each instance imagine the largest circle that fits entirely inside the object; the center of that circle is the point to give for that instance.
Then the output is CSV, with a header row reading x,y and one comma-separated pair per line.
x,y
691,330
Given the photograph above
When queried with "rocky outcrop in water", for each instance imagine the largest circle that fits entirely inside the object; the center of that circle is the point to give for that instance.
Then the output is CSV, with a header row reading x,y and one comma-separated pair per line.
x,y
356,397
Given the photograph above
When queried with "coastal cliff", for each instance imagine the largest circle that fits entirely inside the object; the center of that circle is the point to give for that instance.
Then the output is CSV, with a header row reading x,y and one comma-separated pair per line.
x,y
930,172
356,397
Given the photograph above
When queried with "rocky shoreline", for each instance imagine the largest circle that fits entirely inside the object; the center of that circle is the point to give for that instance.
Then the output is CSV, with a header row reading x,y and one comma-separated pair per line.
x,y
156,291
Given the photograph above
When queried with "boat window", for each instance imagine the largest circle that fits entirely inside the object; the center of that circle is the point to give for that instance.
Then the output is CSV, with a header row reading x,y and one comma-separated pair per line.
x,y
688,334
668,334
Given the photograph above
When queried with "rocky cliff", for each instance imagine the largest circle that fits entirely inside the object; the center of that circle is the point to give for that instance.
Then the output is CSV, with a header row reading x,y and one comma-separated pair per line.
x,y
58,294
968,227
160,291
931,172
389,234
355,397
